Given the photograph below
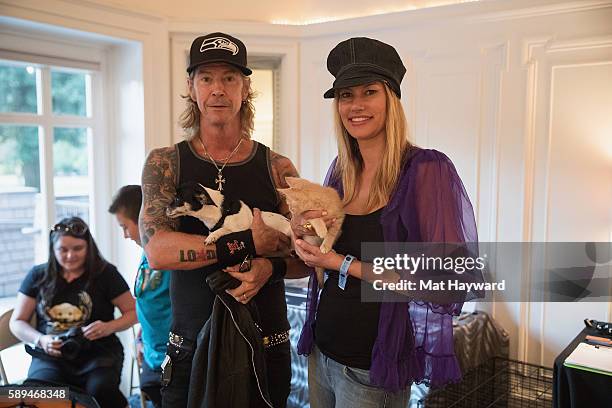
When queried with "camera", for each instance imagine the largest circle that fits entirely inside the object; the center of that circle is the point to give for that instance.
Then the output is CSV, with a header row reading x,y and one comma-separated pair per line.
x,y
73,342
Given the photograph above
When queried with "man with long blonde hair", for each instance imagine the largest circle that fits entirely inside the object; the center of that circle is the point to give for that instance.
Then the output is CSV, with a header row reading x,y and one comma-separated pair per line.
x,y
218,153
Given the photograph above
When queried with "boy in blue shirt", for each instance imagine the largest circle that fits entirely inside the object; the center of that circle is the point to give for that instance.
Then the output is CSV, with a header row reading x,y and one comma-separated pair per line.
x,y
151,290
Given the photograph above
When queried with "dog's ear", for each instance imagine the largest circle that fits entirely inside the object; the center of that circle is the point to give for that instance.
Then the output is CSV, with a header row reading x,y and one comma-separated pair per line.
x,y
199,188
205,197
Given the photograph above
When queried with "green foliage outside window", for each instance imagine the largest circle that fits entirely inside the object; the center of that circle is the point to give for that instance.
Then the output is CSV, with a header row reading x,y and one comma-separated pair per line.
x,y
19,153
68,93
17,89
70,151
19,148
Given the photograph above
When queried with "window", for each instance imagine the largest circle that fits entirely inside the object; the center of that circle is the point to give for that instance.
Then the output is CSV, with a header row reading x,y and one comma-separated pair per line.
x,y
46,129
264,82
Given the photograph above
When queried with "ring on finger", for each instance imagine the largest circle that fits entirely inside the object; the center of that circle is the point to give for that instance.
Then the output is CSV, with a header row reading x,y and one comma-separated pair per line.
x,y
307,226
244,296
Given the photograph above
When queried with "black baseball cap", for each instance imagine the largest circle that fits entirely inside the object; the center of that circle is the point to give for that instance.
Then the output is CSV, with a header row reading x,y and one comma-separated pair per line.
x,y
218,47
362,60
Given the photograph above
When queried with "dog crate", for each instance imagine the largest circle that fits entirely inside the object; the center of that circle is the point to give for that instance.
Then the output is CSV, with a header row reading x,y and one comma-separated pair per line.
x,y
498,383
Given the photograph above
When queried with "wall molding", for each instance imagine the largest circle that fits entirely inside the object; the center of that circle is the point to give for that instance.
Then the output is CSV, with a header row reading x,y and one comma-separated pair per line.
x,y
541,57
542,11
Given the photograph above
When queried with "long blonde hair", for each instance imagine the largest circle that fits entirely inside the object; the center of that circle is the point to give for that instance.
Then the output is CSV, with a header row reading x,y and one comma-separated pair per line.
x,y
190,118
350,162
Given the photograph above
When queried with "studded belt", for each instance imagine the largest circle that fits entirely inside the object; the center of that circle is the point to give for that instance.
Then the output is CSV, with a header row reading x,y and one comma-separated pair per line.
x,y
276,339
180,342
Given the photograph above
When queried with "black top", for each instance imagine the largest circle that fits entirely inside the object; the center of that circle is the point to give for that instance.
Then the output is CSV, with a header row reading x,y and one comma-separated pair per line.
x,y
574,388
250,181
345,327
75,305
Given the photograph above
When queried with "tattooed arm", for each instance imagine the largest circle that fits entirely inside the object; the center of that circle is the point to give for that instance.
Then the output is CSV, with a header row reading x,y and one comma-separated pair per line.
x,y
165,247
283,167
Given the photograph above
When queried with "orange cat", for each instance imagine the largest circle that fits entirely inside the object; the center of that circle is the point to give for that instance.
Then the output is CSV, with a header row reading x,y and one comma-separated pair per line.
x,y
302,195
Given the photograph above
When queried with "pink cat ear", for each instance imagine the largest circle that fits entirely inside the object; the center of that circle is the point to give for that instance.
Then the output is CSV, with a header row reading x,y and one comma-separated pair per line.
x,y
292,181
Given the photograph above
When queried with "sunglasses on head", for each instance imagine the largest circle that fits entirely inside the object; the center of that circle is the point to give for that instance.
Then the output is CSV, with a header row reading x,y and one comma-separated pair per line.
x,y
75,228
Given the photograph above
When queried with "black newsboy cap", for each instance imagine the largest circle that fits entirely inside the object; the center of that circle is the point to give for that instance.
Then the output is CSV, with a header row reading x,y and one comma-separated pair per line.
x,y
361,60
218,47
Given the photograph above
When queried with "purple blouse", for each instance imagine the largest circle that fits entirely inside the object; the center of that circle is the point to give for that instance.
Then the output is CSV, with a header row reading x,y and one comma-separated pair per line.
x,y
415,339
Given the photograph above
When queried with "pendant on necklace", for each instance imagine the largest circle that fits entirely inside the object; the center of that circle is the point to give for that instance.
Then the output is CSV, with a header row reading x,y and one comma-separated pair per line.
x,y
220,180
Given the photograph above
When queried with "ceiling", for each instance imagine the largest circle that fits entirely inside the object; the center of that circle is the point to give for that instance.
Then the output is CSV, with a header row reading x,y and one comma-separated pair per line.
x,y
294,12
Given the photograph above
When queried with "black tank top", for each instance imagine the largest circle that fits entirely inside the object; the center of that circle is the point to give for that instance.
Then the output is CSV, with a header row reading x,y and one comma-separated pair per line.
x,y
346,328
250,181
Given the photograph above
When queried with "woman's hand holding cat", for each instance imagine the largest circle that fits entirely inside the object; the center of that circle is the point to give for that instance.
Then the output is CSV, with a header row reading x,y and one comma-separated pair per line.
x,y
300,225
313,257
251,281
267,240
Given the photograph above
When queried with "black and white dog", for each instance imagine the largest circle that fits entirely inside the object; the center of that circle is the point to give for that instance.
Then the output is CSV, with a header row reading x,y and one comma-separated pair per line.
x,y
220,214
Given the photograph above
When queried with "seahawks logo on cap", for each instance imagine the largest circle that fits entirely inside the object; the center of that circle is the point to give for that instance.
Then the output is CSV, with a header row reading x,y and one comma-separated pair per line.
x,y
219,43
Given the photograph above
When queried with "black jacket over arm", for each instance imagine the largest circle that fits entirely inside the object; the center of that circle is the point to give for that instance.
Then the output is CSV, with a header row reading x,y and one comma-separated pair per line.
x,y
229,367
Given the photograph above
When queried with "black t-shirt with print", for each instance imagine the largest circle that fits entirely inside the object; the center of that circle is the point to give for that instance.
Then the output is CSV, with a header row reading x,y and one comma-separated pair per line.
x,y
74,305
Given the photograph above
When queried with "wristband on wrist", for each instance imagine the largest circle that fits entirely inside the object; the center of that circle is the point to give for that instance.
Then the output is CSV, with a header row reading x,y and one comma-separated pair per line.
x,y
346,263
279,269
234,248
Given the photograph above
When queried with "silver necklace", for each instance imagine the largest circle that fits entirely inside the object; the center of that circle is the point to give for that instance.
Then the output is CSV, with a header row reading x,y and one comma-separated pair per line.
x,y
220,180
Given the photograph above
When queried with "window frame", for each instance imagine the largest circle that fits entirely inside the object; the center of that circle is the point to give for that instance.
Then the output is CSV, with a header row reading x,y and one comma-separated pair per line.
x,y
271,63
46,121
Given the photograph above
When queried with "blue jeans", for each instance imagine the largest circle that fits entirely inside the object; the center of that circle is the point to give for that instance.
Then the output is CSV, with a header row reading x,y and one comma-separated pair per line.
x,y
334,385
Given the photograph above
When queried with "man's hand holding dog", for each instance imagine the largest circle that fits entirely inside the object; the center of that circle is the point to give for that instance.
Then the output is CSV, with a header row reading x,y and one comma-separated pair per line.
x,y
267,240
252,280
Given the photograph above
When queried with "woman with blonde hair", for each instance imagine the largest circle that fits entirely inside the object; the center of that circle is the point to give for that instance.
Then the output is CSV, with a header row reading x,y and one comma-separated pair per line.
x,y
367,354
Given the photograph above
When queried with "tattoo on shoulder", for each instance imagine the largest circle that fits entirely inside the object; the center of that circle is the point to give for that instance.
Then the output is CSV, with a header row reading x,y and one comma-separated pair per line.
x,y
281,168
158,190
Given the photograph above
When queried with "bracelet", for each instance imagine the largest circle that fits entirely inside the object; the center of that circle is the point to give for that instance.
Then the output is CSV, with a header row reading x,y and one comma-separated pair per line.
x,y
234,248
279,269
346,263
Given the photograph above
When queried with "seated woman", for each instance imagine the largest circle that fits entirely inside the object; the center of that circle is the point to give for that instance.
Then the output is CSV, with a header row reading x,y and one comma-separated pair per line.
x,y
74,296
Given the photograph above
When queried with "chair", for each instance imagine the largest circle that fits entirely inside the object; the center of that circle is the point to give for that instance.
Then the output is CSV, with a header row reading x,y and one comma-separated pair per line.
x,y
7,339
143,396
